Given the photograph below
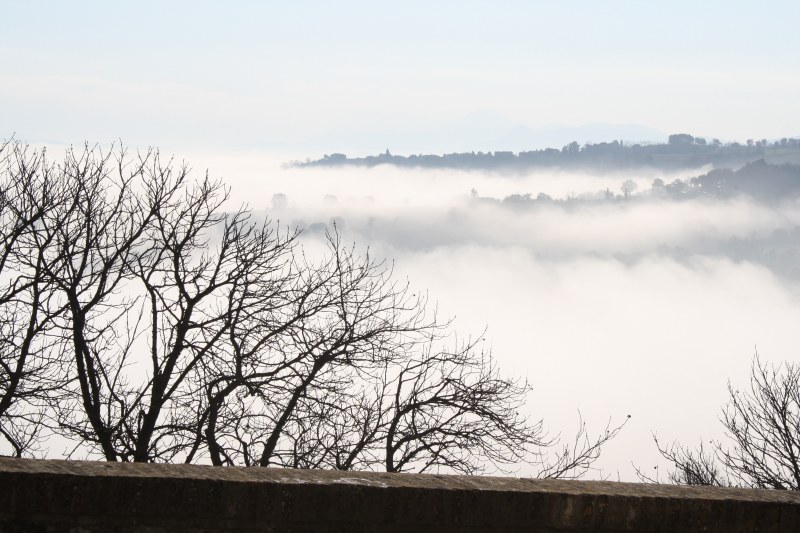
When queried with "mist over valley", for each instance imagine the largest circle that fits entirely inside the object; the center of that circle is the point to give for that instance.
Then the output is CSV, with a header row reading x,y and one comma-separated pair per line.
x,y
612,299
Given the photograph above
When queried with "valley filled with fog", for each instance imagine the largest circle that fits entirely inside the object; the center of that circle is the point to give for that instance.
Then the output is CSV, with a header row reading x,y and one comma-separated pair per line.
x,y
609,306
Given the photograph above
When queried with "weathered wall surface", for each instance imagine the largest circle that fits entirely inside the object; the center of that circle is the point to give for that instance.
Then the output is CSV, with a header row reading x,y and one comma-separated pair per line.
x,y
93,497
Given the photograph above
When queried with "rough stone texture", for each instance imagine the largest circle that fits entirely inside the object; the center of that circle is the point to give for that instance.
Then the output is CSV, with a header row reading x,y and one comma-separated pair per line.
x,y
79,496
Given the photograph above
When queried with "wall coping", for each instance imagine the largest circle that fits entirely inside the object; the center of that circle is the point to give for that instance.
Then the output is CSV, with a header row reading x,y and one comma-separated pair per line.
x,y
388,480
102,496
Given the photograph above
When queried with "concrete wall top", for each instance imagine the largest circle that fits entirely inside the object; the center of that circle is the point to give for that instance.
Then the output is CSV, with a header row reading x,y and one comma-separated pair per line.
x,y
98,496
285,476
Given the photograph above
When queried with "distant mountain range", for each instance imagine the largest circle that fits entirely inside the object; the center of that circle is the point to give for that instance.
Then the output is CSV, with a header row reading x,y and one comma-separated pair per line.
x,y
483,130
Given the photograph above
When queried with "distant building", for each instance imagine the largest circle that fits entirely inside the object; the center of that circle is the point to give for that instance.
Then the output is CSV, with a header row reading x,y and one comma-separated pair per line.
x,y
334,158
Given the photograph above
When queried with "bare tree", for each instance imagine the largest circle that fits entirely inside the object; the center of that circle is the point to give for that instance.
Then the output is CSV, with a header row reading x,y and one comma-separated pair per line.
x,y
150,269
689,467
428,409
628,187
29,371
451,408
577,456
334,321
762,427
104,232
432,409
142,321
764,424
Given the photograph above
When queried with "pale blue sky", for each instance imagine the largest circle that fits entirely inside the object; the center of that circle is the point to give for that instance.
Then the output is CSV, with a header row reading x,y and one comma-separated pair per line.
x,y
287,74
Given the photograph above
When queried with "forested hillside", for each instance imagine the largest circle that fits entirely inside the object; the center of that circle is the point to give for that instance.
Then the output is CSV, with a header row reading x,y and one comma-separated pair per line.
x,y
680,152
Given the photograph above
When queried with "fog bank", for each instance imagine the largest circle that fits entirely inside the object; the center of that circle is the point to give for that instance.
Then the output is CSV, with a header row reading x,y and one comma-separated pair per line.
x,y
640,307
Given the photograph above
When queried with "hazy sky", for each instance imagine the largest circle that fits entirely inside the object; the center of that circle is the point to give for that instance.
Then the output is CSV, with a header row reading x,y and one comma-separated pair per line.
x,y
290,75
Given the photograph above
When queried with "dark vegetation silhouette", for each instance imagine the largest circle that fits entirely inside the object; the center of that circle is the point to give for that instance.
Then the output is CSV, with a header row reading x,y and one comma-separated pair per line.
x,y
760,180
682,151
141,321
762,430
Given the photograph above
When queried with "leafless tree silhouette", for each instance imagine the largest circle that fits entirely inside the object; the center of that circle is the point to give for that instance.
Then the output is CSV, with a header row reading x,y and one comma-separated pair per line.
x,y
141,320
762,426
30,369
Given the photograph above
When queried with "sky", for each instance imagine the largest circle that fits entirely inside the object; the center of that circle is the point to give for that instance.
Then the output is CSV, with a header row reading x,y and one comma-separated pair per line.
x,y
312,76
645,309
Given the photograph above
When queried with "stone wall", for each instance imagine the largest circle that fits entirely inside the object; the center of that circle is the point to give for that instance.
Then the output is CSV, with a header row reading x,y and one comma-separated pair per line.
x,y
93,496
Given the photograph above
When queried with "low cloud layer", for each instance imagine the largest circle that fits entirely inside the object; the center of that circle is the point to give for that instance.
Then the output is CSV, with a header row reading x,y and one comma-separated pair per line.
x,y
644,307
561,230
657,339
255,177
